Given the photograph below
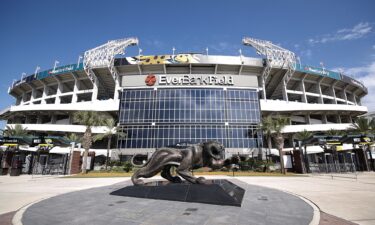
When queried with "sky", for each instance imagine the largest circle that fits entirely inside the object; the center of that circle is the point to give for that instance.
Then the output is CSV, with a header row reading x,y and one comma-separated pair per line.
x,y
338,33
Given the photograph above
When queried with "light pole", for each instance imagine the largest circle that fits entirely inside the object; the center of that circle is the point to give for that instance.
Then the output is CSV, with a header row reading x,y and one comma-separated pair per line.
x,y
79,60
36,71
54,66
173,50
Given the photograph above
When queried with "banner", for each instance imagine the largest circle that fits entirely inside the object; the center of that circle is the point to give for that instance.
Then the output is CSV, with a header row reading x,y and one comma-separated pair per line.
x,y
318,71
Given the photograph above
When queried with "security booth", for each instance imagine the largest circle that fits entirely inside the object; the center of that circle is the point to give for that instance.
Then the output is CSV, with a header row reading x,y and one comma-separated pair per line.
x,y
321,156
47,160
40,160
11,162
360,151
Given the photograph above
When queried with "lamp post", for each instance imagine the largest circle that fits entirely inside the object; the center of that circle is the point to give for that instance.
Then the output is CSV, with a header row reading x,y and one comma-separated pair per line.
x,y
36,71
173,50
79,60
54,66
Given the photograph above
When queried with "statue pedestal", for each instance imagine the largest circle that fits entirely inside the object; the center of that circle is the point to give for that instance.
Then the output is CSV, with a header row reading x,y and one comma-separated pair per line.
x,y
217,192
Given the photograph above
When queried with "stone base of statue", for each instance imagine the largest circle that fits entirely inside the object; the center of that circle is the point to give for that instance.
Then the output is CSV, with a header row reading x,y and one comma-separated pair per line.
x,y
217,192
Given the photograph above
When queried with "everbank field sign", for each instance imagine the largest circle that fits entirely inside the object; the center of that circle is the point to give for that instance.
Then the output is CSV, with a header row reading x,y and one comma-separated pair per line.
x,y
196,80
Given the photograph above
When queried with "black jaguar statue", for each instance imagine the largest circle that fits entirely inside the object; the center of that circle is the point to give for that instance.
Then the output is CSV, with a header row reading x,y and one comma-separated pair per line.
x,y
208,154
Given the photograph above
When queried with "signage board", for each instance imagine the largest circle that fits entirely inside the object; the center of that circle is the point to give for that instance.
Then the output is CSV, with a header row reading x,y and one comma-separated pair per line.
x,y
185,80
318,71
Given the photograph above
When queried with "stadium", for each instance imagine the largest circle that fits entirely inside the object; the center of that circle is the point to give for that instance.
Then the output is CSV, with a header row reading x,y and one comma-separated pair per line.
x,y
178,99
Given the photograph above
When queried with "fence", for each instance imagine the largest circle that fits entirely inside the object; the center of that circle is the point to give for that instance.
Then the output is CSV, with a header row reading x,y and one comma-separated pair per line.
x,y
332,168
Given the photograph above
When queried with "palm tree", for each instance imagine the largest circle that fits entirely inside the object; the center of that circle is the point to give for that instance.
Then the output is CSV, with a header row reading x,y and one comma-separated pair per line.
x,y
16,130
278,124
88,119
111,129
363,125
333,132
73,137
303,136
267,128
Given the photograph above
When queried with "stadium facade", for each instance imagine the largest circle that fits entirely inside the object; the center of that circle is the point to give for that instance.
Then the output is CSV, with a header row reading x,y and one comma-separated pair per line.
x,y
161,100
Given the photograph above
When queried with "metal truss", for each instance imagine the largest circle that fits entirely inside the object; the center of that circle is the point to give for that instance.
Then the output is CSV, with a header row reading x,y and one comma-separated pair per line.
x,y
104,55
275,56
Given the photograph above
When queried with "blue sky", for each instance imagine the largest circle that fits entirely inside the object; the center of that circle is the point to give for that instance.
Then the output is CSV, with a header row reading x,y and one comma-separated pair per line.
x,y
339,33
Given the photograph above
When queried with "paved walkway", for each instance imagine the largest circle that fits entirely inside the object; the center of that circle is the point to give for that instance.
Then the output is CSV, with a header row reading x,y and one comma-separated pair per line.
x,y
16,192
342,195
260,206
347,198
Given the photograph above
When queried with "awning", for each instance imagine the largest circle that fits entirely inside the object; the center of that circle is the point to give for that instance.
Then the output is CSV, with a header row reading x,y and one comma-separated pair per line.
x,y
66,150
314,149
60,150
27,148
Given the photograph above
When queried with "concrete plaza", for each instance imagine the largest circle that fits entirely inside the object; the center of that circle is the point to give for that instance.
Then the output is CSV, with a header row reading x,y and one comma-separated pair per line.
x,y
342,196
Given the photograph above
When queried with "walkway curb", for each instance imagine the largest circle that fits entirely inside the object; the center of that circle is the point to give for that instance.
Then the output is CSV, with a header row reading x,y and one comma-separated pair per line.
x,y
316,216
17,218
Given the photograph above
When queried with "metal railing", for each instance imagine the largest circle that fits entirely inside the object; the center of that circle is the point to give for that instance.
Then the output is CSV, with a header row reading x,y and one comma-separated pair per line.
x,y
332,168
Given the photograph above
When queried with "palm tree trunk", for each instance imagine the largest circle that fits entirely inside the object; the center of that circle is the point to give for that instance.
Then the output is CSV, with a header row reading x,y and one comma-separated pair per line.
x,y
84,163
269,145
108,147
87,141
280,145
282,161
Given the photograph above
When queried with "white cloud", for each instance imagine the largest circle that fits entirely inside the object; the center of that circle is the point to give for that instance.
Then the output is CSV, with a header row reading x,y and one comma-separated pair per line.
x,y
358,31
365,74
306,53
154,43
222,46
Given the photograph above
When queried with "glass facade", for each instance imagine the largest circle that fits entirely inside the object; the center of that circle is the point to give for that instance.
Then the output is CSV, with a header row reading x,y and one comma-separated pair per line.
x,y
157,118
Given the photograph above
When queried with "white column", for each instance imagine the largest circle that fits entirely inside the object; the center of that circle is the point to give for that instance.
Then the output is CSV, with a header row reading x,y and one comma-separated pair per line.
x,y
95,89
344,94
117,89
32,97
75,89
23,98
333,91
58,92
319,89
304,98
324,118
45,92
338,118
264,93
307,119
285,93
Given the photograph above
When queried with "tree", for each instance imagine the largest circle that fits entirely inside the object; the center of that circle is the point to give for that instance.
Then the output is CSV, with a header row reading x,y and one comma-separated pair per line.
x,y
267,128
111,129
278,124
73,137
303,136
16,130
333,132
363,125
89,119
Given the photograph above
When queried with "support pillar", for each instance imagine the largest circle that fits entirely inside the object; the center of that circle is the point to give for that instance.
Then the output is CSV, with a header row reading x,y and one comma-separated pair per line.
x,y
95,89
304,98
285,93
59,90
75,89
319,90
